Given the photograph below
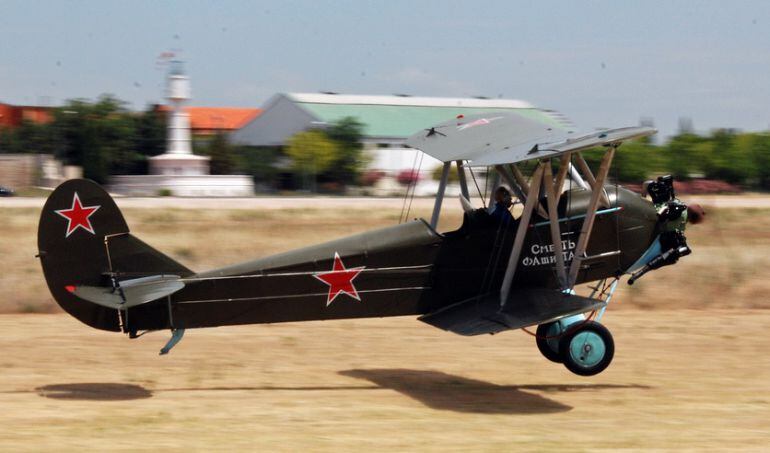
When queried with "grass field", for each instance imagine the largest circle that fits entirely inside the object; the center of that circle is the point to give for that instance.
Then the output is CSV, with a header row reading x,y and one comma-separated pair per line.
x,y
729,268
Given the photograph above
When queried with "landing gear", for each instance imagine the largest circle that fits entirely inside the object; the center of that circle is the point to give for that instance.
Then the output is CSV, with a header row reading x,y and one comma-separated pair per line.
x,y
547,339
587,349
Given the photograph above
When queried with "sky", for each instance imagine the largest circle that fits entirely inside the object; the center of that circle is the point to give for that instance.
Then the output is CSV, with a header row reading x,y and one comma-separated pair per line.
x,y
601,63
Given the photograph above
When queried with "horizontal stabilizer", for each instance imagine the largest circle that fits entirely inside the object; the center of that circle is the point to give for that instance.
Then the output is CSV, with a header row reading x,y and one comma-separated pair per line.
x,y
130,293
526,307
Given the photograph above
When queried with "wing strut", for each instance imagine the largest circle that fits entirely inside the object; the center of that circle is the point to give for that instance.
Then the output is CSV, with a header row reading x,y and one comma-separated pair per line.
x,y
519,177
543,179
440,195
521,232
463,181
564,165
553,217
575,176
581,162
588,223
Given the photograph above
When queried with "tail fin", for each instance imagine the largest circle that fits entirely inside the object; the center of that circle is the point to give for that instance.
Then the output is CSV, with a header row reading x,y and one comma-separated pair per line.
x,y
83,240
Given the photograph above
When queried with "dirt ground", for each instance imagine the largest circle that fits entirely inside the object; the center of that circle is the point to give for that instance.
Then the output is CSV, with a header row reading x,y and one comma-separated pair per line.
x,y
681,380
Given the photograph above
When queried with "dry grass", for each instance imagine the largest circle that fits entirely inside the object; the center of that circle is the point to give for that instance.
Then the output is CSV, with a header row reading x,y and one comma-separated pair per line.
x,y
682,379
730,266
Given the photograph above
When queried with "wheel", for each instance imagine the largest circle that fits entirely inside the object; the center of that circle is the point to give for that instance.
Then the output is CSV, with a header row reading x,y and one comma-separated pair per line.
x,y
547,340
587,349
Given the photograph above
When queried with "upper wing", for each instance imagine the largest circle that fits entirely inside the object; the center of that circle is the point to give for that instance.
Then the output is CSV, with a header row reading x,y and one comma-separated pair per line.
x,y
504,138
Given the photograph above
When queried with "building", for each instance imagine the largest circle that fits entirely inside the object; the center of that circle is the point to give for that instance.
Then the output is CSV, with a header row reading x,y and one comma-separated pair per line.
x,y
12,116
30,170
208,121
388,120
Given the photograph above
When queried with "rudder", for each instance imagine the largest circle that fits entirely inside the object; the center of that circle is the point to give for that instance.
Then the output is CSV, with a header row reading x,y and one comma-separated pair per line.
x,y
83,239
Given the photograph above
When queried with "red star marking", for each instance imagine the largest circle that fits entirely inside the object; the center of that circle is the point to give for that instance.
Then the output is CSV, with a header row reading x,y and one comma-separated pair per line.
x,y
340,280
78,216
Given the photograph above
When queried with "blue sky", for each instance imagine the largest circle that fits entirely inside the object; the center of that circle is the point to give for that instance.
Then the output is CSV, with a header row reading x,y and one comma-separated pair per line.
x,y
602,63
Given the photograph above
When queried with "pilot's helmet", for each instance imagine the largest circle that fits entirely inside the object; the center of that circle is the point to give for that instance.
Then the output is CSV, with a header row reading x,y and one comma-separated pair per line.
x,y
503,195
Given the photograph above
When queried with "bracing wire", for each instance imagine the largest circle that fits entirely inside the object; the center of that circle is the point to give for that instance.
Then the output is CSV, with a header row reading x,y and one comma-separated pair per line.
x,y
476,183
402,217
414,189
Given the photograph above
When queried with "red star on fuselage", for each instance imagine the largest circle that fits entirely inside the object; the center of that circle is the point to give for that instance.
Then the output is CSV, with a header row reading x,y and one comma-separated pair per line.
x,y
340,280
78,216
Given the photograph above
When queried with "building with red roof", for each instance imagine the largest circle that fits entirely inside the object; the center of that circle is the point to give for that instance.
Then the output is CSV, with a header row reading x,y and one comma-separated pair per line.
x,y
13,115
212,120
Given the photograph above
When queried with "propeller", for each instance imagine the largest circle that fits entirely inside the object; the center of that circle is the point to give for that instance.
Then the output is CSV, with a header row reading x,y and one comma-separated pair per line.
x,y
673,217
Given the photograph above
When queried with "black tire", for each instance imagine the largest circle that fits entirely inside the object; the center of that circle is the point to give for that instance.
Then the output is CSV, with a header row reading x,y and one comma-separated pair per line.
x,y
578,358
549,347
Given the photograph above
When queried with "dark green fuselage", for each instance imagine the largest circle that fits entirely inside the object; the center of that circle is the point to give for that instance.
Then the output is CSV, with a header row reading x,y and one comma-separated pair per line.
x,y
409,269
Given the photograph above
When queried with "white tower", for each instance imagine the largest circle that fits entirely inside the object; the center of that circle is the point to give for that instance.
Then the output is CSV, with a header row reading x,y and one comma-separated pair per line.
x,y
177,93
178,171
178,158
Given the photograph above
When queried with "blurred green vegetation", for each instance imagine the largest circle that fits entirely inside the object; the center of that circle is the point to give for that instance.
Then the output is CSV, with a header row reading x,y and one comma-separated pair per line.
x,y
102,136
311,153
738,158
106,138
453,176
349,161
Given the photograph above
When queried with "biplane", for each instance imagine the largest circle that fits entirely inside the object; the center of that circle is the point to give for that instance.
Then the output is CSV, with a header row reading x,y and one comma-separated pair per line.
x,y
571,227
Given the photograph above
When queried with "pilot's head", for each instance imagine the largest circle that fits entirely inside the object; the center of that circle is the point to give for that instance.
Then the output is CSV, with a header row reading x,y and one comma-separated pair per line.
x,y
503,196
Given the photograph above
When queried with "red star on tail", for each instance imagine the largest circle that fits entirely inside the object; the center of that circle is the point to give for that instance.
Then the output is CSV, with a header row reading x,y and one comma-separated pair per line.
x,y
340,280
78,216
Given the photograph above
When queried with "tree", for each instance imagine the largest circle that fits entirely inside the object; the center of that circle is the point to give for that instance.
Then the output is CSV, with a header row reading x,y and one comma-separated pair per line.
x,y
760,147
30,138
150,132
350,162
682,155
729,157
312,153
633,161
260,163
99,136
453,176
221,153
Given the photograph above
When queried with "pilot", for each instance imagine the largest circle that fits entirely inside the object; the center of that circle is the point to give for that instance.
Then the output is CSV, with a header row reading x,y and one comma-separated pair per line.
x,y
503,203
